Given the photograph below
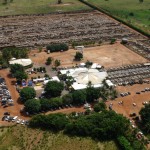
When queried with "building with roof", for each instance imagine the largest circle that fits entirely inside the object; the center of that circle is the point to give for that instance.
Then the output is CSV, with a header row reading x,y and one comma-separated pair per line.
x,y
23,62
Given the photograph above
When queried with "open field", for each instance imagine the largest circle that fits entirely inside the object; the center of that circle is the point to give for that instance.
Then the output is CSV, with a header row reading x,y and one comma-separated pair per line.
x,y
132,12
18,7
35,139
107,55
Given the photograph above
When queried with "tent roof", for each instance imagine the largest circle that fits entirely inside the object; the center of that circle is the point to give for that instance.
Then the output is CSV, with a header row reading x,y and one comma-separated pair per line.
x,y
23,62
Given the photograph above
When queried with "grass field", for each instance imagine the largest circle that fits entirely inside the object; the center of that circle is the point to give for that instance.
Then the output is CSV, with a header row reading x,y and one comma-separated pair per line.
x,y
131,11
23,138
39,6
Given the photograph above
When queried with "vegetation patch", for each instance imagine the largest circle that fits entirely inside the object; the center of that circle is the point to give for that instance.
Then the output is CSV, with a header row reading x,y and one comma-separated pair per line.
x,y
132,12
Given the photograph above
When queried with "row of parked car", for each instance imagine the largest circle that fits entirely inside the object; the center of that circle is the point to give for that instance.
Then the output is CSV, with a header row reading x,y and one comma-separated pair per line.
x,y
145,90
16,119
125,94
6,99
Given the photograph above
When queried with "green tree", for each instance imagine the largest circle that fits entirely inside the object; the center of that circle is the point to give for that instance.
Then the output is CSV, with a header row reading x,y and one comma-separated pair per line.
x,y
57,63
79,97
32,106
92,93
19,75
6,53
27,93
67,99
56,102
59,1
78,56
53,88
145,117
45,104
16,67
55,122
49,61
141,1
101,106
124,143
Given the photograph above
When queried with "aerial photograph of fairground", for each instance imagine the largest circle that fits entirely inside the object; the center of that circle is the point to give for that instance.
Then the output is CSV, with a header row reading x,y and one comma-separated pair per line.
x,y
74,74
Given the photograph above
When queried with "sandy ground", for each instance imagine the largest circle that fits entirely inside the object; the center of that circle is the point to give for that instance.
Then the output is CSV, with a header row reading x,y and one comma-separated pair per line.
x,y
107,55
128,101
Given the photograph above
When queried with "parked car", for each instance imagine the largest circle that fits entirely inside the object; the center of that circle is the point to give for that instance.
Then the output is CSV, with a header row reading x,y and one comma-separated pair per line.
x,y
15,118
19,120
22,122
6,113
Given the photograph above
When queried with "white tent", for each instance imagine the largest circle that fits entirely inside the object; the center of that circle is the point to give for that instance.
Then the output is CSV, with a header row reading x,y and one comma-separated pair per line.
x,y
90,75
23,62
83,76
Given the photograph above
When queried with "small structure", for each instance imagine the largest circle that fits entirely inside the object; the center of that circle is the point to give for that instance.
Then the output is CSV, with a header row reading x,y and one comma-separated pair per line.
x,y
55,78
23,62
80,48
109,83
30,83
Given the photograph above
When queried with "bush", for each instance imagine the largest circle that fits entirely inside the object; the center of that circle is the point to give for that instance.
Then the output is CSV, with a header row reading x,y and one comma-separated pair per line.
x,y
55,122
67,99
78,56
53,89
124,143
32,106
79,97
27,93
57,47
99,107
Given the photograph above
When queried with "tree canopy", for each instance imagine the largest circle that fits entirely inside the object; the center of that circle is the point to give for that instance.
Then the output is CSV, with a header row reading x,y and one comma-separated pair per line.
x,y
27,93
16,67
78,56
53,89
32,106
92,93
79,97
99,107
145,117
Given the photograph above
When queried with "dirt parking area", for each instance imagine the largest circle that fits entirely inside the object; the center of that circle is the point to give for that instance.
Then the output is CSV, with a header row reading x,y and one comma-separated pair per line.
x,y
127,108
107,55
14,110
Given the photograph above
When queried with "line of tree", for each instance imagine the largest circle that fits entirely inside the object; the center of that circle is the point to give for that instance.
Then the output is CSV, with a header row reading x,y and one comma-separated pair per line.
x,y
107,125
57,47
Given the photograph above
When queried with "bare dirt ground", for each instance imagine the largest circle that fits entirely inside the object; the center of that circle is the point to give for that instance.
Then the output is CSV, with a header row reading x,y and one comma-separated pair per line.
x,y
106,55
14,110
128,101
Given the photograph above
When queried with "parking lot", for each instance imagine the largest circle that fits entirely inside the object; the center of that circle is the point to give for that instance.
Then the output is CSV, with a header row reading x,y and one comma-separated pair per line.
x,y
15,109
133,102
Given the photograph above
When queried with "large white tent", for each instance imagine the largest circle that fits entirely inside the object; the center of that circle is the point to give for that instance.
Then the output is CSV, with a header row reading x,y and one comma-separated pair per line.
x,y
83,76
23,62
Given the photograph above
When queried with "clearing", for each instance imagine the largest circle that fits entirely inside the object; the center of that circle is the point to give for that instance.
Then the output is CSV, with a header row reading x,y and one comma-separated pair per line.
x,y
106,55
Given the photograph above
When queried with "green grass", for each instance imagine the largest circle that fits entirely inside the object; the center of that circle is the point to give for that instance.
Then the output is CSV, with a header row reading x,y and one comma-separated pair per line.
x,y
39,6
123,8
23,138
